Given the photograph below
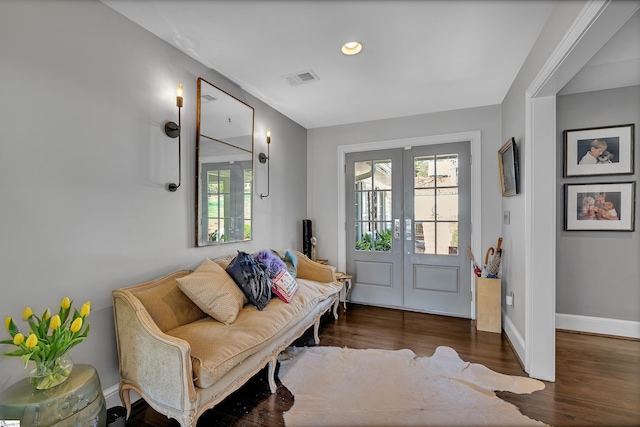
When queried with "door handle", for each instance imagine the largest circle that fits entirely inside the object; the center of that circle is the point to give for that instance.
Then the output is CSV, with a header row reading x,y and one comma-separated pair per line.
x,y
408,230
396,229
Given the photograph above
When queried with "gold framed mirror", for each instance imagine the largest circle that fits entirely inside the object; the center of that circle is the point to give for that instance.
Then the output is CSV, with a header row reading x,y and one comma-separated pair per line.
x,y
224,165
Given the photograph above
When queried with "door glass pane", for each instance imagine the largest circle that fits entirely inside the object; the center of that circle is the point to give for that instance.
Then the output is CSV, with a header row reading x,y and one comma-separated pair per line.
x,y
447,202
447,238
382,237
418,233
363,174
373,203
382,176
427,245
363,208
436,204
363,236
382,205
423,172
424,205
447,170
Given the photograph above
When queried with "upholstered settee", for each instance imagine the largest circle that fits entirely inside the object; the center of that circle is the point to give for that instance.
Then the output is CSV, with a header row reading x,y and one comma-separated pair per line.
x,y
182,361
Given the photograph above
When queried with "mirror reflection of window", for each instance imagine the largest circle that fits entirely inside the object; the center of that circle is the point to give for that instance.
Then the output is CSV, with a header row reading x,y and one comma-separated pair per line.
x,y
228,189
225,167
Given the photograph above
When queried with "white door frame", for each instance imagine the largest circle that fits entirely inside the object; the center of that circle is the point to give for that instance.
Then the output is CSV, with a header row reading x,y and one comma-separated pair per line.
x,y
598,21
475,140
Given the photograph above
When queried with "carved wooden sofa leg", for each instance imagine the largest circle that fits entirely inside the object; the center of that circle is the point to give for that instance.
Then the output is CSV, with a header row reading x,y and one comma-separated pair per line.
x,y
271,374
126,400
188,419
316,331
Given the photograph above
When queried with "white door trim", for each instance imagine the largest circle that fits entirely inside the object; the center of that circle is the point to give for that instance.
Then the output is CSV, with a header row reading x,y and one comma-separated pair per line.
x,y
597,22
475,140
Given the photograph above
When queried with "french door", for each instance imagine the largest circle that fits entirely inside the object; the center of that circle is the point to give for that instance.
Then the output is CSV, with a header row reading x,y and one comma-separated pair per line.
x,y
408,214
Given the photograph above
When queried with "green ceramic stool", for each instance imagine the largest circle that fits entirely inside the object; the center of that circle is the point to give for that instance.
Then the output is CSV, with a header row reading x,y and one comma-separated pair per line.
x,y
77,402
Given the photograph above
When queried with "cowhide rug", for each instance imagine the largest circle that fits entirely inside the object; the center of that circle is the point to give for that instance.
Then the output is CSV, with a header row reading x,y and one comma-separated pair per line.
x,y
336,387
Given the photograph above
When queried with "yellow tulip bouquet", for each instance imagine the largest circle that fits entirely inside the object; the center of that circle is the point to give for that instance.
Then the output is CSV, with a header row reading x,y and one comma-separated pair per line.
x,y
48,341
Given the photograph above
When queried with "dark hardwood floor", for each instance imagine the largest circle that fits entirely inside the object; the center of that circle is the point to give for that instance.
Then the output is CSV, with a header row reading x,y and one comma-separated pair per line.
x,y
597,378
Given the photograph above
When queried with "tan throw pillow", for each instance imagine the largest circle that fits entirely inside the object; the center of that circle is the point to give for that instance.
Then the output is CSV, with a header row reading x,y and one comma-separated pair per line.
x,y
224,261
214,291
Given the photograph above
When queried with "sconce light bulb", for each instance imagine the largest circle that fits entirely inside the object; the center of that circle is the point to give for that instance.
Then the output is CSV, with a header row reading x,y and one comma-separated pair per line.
x,y
179,98
268,135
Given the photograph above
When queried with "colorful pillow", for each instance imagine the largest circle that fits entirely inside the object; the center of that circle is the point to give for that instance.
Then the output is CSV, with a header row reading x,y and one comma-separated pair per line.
x,y
252,278
213,291
272,260
291,262
284,285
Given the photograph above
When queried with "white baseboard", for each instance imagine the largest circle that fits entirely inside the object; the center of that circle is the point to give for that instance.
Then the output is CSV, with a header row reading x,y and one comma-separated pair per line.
x,y
598,325
112,397
514,336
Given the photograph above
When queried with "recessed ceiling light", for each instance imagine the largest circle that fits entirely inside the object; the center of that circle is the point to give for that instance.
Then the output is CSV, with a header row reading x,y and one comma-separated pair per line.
x,y
351,48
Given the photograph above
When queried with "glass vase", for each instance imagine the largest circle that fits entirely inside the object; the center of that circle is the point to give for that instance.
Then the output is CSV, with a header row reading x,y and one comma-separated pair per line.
x,y
50,373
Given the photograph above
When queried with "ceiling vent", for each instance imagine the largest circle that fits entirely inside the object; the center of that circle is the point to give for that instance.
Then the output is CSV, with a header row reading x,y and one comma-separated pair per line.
x,y
208,98
302,77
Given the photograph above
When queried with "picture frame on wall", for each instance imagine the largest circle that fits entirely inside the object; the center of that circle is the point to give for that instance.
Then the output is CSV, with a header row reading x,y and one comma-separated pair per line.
x,y
604,150
508,163
600,207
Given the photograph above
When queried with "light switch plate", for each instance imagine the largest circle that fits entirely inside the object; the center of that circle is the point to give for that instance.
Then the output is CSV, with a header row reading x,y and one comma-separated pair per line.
x,y
506,217
510,299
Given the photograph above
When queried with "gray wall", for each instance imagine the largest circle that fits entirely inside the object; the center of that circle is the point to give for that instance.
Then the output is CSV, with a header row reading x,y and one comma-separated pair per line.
x,y
322,155
513,125
84,163
597,271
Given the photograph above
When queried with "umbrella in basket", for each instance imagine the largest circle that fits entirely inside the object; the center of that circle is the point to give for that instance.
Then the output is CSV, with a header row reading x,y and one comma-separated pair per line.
x,y
494,266
476,269
490,251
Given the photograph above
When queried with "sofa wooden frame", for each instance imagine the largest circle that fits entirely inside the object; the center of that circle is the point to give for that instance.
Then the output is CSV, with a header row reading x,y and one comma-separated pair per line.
x,y
158,366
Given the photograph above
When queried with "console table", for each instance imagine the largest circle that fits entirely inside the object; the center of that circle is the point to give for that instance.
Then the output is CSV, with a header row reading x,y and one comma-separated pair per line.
x,y
76,402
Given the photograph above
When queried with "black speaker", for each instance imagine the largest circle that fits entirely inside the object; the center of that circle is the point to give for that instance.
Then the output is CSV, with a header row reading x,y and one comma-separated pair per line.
x,y
307,234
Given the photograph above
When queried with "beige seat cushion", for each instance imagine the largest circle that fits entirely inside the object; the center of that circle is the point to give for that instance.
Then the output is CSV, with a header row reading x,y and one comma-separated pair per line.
x,y
216,348
214,291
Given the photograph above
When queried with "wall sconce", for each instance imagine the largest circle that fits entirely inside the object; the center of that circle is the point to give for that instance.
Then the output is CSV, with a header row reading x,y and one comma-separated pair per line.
x,y
264,158
173,131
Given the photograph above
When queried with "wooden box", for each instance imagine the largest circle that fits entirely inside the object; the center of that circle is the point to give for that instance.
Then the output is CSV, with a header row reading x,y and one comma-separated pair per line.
x,y
488,305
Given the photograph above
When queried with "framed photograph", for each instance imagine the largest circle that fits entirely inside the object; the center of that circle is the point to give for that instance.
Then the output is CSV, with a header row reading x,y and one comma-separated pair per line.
x,y
599,151
508,162
600,207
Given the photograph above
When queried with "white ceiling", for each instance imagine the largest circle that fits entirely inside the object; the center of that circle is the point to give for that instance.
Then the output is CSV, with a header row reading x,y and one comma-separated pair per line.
x,y
418,56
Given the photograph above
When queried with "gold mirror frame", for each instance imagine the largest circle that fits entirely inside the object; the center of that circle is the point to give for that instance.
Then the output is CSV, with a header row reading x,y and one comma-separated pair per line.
x,y
224,167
